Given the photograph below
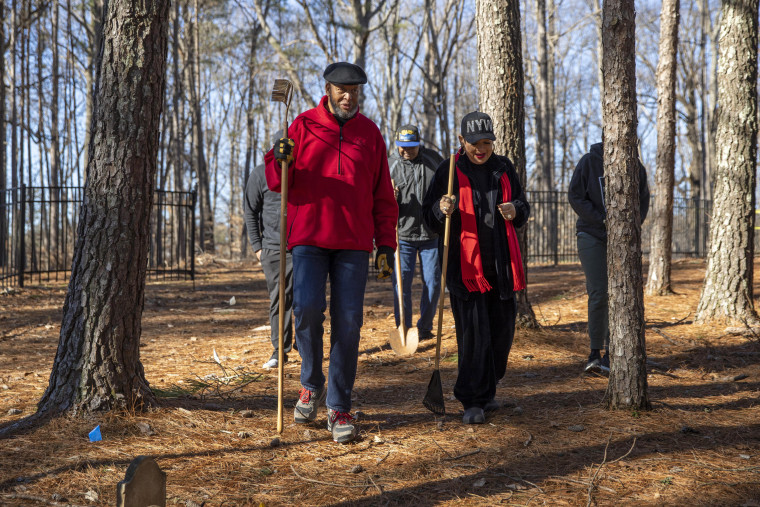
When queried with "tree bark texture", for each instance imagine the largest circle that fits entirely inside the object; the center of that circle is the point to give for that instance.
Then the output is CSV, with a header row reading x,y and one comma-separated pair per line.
x,y
207,241
501,89
97,365
727,291
627,385
661,250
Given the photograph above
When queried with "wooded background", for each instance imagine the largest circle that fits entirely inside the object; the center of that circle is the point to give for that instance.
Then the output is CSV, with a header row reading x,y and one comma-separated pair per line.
x,y
422,60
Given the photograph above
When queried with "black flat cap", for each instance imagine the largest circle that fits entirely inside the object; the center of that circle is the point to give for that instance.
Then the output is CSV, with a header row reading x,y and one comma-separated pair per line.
x,y
345,73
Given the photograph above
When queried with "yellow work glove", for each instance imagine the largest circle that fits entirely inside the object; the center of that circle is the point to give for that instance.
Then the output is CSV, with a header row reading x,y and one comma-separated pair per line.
x,y
384,261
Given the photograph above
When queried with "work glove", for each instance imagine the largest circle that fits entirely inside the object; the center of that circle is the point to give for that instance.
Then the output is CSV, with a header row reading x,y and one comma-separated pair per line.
x,y
283,150
384,261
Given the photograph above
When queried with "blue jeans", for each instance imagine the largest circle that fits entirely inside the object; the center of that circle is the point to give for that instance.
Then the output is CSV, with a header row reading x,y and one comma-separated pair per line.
x,y
431,282
347,271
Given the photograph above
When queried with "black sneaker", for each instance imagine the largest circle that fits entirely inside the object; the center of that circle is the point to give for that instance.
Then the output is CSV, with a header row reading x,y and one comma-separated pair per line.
x,y
594,362
424,335
604,364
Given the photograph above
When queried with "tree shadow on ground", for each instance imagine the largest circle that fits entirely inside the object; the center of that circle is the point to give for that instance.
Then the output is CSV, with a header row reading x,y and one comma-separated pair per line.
x,y
530,470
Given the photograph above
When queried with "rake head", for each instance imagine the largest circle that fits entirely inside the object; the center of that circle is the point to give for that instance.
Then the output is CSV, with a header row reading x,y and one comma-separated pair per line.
x,y
282,91
433,400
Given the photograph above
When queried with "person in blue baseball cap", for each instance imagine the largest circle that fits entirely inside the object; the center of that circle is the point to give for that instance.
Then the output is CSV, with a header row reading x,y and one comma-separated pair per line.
x,y
412,169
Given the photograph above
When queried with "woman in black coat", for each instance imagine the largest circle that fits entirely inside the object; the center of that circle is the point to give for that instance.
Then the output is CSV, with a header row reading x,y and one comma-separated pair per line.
x,y
485,264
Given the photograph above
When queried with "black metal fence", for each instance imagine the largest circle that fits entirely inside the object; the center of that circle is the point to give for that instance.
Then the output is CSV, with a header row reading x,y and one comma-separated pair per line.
x,y
551,228
38,227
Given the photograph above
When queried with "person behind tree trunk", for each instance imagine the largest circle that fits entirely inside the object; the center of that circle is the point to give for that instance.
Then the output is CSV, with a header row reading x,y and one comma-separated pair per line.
x,y
586,195
261,210
485,265
340,198
412,168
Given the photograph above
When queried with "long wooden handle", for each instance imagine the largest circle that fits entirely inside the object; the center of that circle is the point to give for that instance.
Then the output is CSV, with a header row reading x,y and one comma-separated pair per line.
x,y
447,230
283,261
400,290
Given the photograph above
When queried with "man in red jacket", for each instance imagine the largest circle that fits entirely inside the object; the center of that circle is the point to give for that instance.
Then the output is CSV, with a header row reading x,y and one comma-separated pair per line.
x,y
340,199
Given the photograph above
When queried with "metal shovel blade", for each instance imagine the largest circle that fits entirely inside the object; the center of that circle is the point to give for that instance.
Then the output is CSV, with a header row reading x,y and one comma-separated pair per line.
x,y
401,346
433,399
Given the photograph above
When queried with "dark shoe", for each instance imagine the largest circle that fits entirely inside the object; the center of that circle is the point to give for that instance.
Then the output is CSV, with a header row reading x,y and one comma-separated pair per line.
x,y
604,364
308,402
492,406
424,335
474,415
594,362
341,425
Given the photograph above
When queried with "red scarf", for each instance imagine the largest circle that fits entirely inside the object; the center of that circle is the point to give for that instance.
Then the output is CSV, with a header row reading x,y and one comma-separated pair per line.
x,y
472,266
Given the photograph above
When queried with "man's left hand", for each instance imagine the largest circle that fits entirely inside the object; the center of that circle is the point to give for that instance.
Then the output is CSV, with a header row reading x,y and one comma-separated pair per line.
x,y
384,261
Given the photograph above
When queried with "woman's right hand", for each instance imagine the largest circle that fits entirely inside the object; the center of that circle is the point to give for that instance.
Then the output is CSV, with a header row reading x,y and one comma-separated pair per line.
x,y
447,204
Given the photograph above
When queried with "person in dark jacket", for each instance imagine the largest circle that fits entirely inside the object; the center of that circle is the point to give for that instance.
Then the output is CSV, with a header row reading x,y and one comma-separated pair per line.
x,y
484,264
412,168
586,195
340,206
261,209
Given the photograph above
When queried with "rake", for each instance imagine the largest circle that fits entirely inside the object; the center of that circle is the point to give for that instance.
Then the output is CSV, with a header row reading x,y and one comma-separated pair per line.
x,y
282,92
433,399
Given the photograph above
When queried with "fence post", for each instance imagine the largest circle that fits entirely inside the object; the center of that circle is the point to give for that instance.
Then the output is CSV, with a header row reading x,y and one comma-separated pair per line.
x,y
21,227
192,236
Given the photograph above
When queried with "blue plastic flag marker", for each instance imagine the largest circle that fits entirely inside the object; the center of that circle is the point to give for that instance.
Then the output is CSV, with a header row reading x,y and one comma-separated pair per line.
x,y
95,435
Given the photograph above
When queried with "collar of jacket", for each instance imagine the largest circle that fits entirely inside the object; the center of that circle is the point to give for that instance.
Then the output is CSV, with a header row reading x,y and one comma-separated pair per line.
x,y
416,160
323,111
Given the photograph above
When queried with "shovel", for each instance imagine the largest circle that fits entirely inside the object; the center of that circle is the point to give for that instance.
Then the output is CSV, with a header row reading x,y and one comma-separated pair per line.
x,y
433,399
282,92
403,341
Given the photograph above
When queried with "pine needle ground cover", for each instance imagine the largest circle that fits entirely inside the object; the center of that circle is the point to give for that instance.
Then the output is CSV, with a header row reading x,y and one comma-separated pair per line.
x,y
214,433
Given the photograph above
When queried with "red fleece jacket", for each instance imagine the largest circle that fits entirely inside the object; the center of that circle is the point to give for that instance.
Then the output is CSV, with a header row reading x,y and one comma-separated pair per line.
x,y
340,194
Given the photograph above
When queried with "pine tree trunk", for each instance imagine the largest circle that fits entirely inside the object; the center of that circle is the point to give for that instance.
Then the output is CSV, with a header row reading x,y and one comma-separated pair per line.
x,y
3,176
201,165
500,85
55,148
661,250
97,366
727,291
627,385
94,34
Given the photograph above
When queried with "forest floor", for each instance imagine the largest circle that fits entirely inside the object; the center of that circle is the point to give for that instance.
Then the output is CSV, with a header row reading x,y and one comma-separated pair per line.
x,y
552,444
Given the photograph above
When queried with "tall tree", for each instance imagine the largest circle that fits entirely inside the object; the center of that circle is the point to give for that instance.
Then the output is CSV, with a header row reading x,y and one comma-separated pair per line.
x,y
727,290
97,365
661,250
500,85
55,179
3,144
199,159
627,385
94,32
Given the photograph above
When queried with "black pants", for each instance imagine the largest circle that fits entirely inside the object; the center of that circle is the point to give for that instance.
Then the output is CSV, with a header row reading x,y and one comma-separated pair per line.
x,y
485,326
593,255
270,263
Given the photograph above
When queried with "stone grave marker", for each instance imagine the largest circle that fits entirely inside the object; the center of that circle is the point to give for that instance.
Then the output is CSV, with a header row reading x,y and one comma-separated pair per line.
x,y
144,484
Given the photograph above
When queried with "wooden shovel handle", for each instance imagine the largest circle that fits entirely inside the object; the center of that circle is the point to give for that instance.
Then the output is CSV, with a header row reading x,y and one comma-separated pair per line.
x,y
282,284
447,229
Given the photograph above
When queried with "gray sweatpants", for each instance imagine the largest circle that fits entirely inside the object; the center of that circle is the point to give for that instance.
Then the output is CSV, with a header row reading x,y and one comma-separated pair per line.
x,y
270,263
593,255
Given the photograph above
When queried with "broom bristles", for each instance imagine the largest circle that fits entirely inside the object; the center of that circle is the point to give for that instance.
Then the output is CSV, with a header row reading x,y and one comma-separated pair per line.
x,y
282,91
